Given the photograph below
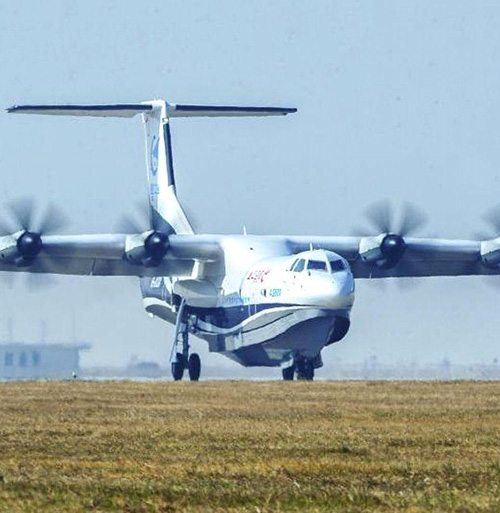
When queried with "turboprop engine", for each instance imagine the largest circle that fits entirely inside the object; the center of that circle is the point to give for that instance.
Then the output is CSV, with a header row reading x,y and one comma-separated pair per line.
x,y
383,251
147,249
386,249
20,248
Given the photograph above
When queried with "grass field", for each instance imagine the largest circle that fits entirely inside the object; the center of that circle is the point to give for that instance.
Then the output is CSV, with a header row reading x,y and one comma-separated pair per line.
x,y
246,446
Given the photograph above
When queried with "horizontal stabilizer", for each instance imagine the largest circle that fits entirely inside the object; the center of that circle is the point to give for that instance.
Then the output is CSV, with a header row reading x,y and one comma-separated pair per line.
x,y
126,110
187,111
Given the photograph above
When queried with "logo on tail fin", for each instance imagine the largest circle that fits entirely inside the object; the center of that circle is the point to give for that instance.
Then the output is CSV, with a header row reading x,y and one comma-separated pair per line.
x,y
154,155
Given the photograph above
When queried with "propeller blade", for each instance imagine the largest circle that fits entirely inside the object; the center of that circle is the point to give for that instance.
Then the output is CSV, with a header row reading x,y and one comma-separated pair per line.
x,y
193,220
359,231
482,236
22,212
492,217
36,282
413,219
7,279
139,222
492,282
53,221
409,283
43,280
380,215
6,227
379,283
129,225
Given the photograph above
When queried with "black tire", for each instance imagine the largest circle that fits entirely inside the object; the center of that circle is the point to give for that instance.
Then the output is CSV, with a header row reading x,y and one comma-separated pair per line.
x,y
288,373
309,370
305,370
178,367
194,367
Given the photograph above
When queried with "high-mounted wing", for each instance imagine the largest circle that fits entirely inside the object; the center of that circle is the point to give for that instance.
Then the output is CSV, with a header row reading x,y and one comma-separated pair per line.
x,y
389,255
106,255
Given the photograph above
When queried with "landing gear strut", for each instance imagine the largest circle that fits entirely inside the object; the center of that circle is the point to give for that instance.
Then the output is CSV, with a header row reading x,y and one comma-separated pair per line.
x,y
304,367
180,359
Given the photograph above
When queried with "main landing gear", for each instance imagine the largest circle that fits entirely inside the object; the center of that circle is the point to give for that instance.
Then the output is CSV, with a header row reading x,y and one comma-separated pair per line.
x,y
304,367
180,359
192,364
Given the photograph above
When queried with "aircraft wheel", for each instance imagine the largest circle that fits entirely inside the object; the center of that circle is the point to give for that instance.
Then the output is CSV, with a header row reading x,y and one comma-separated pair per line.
x,y
194,367
288,373
178,367
305,370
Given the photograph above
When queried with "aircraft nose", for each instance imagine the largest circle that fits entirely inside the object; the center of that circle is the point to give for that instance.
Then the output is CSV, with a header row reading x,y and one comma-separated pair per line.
x,y
335,291
342,289
344,281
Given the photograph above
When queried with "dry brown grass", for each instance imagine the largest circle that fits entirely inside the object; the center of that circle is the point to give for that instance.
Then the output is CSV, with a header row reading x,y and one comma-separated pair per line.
x,y
241,446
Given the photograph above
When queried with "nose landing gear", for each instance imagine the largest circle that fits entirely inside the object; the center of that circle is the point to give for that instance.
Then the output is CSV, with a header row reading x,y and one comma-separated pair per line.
x,y
180,359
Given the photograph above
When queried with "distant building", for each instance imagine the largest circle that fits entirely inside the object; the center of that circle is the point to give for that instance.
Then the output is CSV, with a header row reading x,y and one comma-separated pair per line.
x,y
40,360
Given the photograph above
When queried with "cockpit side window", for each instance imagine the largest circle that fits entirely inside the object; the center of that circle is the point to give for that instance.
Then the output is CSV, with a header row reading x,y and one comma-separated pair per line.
x,y
299,266
316,265
337,266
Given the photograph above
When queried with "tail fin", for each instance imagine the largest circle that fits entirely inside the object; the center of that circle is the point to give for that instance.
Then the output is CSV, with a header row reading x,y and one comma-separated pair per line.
x,y
167,214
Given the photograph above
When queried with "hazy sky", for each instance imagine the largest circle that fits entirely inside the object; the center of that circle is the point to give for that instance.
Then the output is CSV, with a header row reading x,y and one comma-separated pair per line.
x,y
396,100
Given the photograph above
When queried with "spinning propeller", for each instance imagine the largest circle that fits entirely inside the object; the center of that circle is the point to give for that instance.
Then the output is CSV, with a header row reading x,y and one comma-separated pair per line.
x,y
492,218
385,248
392,245
29,242
381,216
150,250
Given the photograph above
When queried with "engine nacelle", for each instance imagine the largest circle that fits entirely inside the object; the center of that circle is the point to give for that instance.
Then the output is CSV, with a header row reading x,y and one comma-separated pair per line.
x,y
147,249
20,248
490,252
383,251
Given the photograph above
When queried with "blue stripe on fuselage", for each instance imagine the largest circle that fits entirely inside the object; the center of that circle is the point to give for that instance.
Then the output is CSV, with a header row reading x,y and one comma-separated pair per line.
x,y
229,317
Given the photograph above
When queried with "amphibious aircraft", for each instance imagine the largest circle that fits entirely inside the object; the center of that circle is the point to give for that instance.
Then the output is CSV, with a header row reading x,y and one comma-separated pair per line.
x,y
259,300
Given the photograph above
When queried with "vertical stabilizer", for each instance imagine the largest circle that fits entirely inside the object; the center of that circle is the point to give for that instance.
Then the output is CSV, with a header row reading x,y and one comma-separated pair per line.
x,y
166,212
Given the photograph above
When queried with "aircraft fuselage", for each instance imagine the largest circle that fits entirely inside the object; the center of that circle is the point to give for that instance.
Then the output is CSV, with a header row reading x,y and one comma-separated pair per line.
x,y
261,305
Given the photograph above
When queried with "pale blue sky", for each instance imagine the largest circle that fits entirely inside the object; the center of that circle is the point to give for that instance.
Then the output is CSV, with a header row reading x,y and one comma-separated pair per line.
x,y
396,99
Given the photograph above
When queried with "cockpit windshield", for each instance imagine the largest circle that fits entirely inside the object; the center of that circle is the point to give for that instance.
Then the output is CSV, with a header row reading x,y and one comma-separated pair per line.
x,y
317,265
337,266
298,265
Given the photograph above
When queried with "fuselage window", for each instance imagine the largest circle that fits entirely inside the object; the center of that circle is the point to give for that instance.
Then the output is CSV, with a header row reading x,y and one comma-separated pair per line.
x,y
337,266
316,265
299,267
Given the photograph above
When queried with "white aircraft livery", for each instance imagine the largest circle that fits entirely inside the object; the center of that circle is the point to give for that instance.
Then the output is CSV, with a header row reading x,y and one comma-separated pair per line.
x,y
260,300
